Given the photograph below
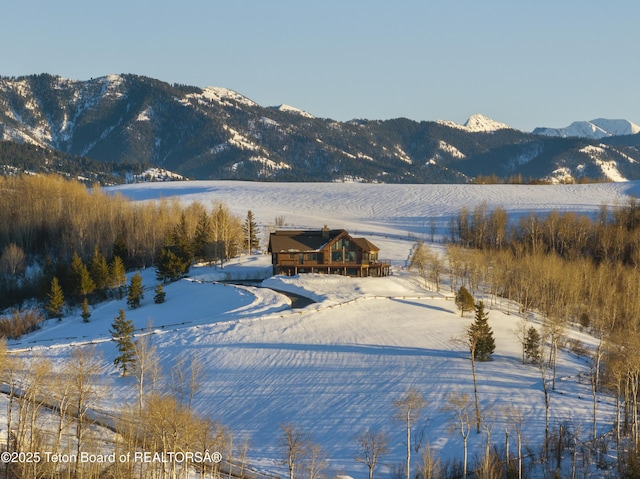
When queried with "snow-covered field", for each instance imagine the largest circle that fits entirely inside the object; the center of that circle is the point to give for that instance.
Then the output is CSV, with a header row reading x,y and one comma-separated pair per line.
x,y
334,368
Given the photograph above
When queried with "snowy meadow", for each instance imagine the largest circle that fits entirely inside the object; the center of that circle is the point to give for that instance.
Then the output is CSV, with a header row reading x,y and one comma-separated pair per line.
x,y
334,368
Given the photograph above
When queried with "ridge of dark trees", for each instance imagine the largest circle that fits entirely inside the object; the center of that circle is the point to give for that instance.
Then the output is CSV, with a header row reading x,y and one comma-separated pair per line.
x,y
17,158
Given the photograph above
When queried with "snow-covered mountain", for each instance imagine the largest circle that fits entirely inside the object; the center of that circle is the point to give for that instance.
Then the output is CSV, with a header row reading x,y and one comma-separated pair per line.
x,y
217,133
477,123
594,129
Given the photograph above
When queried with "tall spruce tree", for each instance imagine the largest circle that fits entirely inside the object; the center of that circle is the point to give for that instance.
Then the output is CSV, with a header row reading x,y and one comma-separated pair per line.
x,y
99,269
81,283
135,292
481,334
481,346
56,299
532,345
202,238
122,332
250,233
181,242
117,273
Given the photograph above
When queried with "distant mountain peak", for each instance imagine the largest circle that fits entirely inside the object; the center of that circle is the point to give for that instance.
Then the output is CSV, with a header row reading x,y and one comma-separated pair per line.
x,y
477,123
594,129
222,95
293,109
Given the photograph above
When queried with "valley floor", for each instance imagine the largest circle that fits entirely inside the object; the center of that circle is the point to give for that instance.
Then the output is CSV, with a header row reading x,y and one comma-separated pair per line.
x,y
334,368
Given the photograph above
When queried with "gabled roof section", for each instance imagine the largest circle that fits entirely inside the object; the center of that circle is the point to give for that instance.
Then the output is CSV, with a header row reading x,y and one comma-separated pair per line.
x,y
366,245
301,240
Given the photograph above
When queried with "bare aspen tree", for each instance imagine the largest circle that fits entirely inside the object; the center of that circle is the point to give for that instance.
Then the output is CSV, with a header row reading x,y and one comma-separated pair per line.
x,y
32,398
544,368
211,437
316,461
520,332
488,467
170,426
373,445
61,391
408,407
460,405
186,379
430,467
12,376
145,366
83,369
515,419
243,450
419,260
294,446
553,331
428,263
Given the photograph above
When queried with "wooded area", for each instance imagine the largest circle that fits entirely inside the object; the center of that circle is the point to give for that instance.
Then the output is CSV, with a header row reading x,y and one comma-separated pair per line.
x,y
576,271
52,227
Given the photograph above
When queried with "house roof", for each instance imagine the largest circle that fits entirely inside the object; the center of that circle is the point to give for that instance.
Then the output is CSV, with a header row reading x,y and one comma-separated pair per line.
x,y
301,240
365,244
311,240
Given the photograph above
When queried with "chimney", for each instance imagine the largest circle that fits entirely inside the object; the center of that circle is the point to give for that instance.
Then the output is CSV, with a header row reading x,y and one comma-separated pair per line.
x,y
325,232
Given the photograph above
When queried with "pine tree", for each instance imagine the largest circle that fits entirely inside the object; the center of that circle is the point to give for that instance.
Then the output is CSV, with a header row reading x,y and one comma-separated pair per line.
x,y
81,283
532,349
56,299
135,292
170,266
181,243
86,314
202,238
250,233
480,335
119,249
122,332
464,300
117,273
99,269
160,294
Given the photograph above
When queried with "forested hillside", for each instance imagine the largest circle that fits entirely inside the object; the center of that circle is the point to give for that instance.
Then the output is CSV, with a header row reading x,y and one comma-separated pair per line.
x,y
18,158
216,133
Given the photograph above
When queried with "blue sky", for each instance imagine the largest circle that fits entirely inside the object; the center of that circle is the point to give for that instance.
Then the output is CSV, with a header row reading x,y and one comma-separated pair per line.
x,y
525,63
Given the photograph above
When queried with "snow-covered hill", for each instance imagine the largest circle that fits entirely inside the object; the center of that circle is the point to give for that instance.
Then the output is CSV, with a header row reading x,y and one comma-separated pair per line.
x,y
335,367
594,129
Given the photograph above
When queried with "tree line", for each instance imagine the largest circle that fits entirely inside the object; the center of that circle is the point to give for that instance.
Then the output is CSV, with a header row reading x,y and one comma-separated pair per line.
x,y
53,227
23,157
574,270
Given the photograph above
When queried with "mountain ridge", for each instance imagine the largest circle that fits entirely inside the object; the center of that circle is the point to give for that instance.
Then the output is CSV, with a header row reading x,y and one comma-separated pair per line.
x,y
218,133
593,129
